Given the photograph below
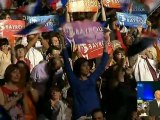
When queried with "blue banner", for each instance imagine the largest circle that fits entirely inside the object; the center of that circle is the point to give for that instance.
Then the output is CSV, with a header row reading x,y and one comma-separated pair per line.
x,y
137,8
51,25
131,20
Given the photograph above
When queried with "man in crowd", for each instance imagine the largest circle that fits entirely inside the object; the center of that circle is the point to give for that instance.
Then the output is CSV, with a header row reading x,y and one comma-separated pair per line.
x,y
154,106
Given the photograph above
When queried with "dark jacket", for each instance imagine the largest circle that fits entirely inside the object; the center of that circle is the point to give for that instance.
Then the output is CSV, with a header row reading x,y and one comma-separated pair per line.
x,y
154,110
85,96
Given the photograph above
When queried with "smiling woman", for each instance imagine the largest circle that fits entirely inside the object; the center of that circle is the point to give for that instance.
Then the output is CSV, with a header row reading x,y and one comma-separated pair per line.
x,y
10,94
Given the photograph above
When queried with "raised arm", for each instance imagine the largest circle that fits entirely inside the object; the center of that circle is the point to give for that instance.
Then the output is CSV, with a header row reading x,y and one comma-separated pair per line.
x,y
67,65
101,68
155,45
13,54
119,37
31,43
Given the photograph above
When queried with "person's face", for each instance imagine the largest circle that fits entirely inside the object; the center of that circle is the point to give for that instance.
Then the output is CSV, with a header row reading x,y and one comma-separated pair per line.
x,y
55,53
114,25
15,76
30,37
128,40
20,52
98,116
157,95
23,70
5,47
119,56
58,65
55,41
56,95
107,36
8,17
85,69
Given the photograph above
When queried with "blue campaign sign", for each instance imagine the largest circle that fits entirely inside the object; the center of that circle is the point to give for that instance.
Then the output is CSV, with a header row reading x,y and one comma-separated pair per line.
x,y
131,20
51,25
137,7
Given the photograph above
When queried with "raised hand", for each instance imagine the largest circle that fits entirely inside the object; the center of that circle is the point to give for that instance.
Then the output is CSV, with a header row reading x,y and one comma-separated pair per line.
x,y
155,44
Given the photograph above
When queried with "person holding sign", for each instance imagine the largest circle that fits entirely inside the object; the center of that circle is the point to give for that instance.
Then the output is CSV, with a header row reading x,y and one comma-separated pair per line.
x,y
83,84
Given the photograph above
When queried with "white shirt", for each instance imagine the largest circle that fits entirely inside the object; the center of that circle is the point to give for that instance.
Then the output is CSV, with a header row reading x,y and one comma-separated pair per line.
x,y
34,56
158,102
5,60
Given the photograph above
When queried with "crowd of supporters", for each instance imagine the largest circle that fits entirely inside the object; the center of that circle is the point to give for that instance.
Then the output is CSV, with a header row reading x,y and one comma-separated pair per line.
x,y
42,79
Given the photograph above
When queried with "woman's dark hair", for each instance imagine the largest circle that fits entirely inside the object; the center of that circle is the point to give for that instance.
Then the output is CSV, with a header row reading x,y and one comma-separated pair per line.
x,y
4,14
80,16
118,50
51,48
8,71
46,35
4,41
98,110
53,88
51,36
18,47
111,22
26,67
77,66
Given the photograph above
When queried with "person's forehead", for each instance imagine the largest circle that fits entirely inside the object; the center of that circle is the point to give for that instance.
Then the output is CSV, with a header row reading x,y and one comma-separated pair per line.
x,y
85,63
54,38
16,70
98,114
53,51
56,90
157,92
5,45
20,48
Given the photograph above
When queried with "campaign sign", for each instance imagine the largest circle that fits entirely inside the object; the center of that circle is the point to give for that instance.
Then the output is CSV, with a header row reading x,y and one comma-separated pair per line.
x,y
91,50
83,32
131,20
115,3
112,3
9,27
136,8
51,25
82,6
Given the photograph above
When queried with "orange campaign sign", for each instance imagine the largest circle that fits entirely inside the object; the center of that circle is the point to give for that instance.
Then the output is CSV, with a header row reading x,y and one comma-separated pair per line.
x,y
9,27
82,6
112,3
93,50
